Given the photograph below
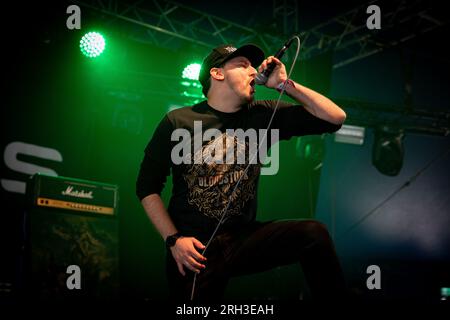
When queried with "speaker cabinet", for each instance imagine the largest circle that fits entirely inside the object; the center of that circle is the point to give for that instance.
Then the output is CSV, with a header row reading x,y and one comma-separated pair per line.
x,y
71,239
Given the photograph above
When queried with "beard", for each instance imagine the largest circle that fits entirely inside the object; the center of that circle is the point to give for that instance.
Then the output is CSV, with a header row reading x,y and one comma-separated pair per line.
x,y
246,97
243,93
249,99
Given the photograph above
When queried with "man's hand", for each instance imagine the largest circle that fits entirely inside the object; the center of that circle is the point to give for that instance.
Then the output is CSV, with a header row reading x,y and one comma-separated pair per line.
x,y
186,255
278,74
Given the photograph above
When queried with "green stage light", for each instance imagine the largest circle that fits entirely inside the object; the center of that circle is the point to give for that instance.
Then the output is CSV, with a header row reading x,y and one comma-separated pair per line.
x,y
92,44
191,71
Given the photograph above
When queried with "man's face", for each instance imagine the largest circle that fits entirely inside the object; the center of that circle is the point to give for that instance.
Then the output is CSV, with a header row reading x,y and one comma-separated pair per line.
x,y
240,77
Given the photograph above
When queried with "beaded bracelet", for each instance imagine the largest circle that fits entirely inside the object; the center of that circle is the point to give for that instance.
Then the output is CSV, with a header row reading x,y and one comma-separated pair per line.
x,y
284,85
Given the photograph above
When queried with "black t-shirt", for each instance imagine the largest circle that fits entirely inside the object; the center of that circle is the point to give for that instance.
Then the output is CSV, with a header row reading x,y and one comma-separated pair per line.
x,y
204,187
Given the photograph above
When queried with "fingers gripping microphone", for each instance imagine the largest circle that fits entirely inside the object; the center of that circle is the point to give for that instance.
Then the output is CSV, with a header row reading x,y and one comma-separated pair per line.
x,y
261,78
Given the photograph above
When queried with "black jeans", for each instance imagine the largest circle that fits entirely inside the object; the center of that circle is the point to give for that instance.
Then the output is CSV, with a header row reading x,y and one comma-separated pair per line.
x,y
260,247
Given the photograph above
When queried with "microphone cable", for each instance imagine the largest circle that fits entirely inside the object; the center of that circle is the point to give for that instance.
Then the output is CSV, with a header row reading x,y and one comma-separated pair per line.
x,y
250,160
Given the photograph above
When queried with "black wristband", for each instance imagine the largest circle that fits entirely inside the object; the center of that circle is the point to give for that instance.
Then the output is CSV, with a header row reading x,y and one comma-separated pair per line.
x,y
172,239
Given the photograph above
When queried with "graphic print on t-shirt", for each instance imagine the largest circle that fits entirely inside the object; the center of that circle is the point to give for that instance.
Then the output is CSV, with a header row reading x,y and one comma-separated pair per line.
x,y
213,176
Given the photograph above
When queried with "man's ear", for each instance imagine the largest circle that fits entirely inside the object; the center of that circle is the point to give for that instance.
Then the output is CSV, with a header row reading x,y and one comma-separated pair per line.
x,y
217,73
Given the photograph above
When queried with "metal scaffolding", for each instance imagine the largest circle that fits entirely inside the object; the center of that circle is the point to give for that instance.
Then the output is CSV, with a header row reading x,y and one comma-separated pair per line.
x,y
349,38
285,13
419,120
169,24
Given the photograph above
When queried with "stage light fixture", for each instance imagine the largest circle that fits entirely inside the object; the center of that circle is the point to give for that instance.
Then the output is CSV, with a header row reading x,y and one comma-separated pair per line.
x,y
192,91
387,151
92,44
350,134
311,150
191,71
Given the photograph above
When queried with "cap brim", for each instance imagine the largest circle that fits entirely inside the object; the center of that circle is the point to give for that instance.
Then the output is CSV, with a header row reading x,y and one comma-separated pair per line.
x,y
253,53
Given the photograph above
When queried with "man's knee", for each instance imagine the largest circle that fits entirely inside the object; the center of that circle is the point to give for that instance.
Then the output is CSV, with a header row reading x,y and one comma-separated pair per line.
x,y
315,230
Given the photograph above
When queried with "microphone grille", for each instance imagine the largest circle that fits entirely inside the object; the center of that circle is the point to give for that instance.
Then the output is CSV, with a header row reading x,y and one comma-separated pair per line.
x,y
260,79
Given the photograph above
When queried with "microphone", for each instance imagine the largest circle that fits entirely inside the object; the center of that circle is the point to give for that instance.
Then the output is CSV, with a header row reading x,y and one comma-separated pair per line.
x,y
261,78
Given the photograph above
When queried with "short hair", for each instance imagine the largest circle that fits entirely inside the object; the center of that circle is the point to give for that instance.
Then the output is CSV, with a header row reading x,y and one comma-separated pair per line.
x,y
207,82
206,86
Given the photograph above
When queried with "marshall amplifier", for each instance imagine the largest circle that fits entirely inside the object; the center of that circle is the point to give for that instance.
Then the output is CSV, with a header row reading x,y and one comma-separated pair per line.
x,y
71,239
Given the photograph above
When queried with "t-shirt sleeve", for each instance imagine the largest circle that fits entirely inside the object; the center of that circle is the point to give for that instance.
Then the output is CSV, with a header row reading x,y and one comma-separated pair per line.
x,y
155,166
295,120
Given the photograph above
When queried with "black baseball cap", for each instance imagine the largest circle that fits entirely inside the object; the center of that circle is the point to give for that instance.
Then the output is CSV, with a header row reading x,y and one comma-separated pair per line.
x,y
225,52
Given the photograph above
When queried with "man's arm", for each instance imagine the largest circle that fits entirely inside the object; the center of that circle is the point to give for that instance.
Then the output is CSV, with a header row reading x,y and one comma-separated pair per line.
x,y
315,103
154,207
155,168
184,251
